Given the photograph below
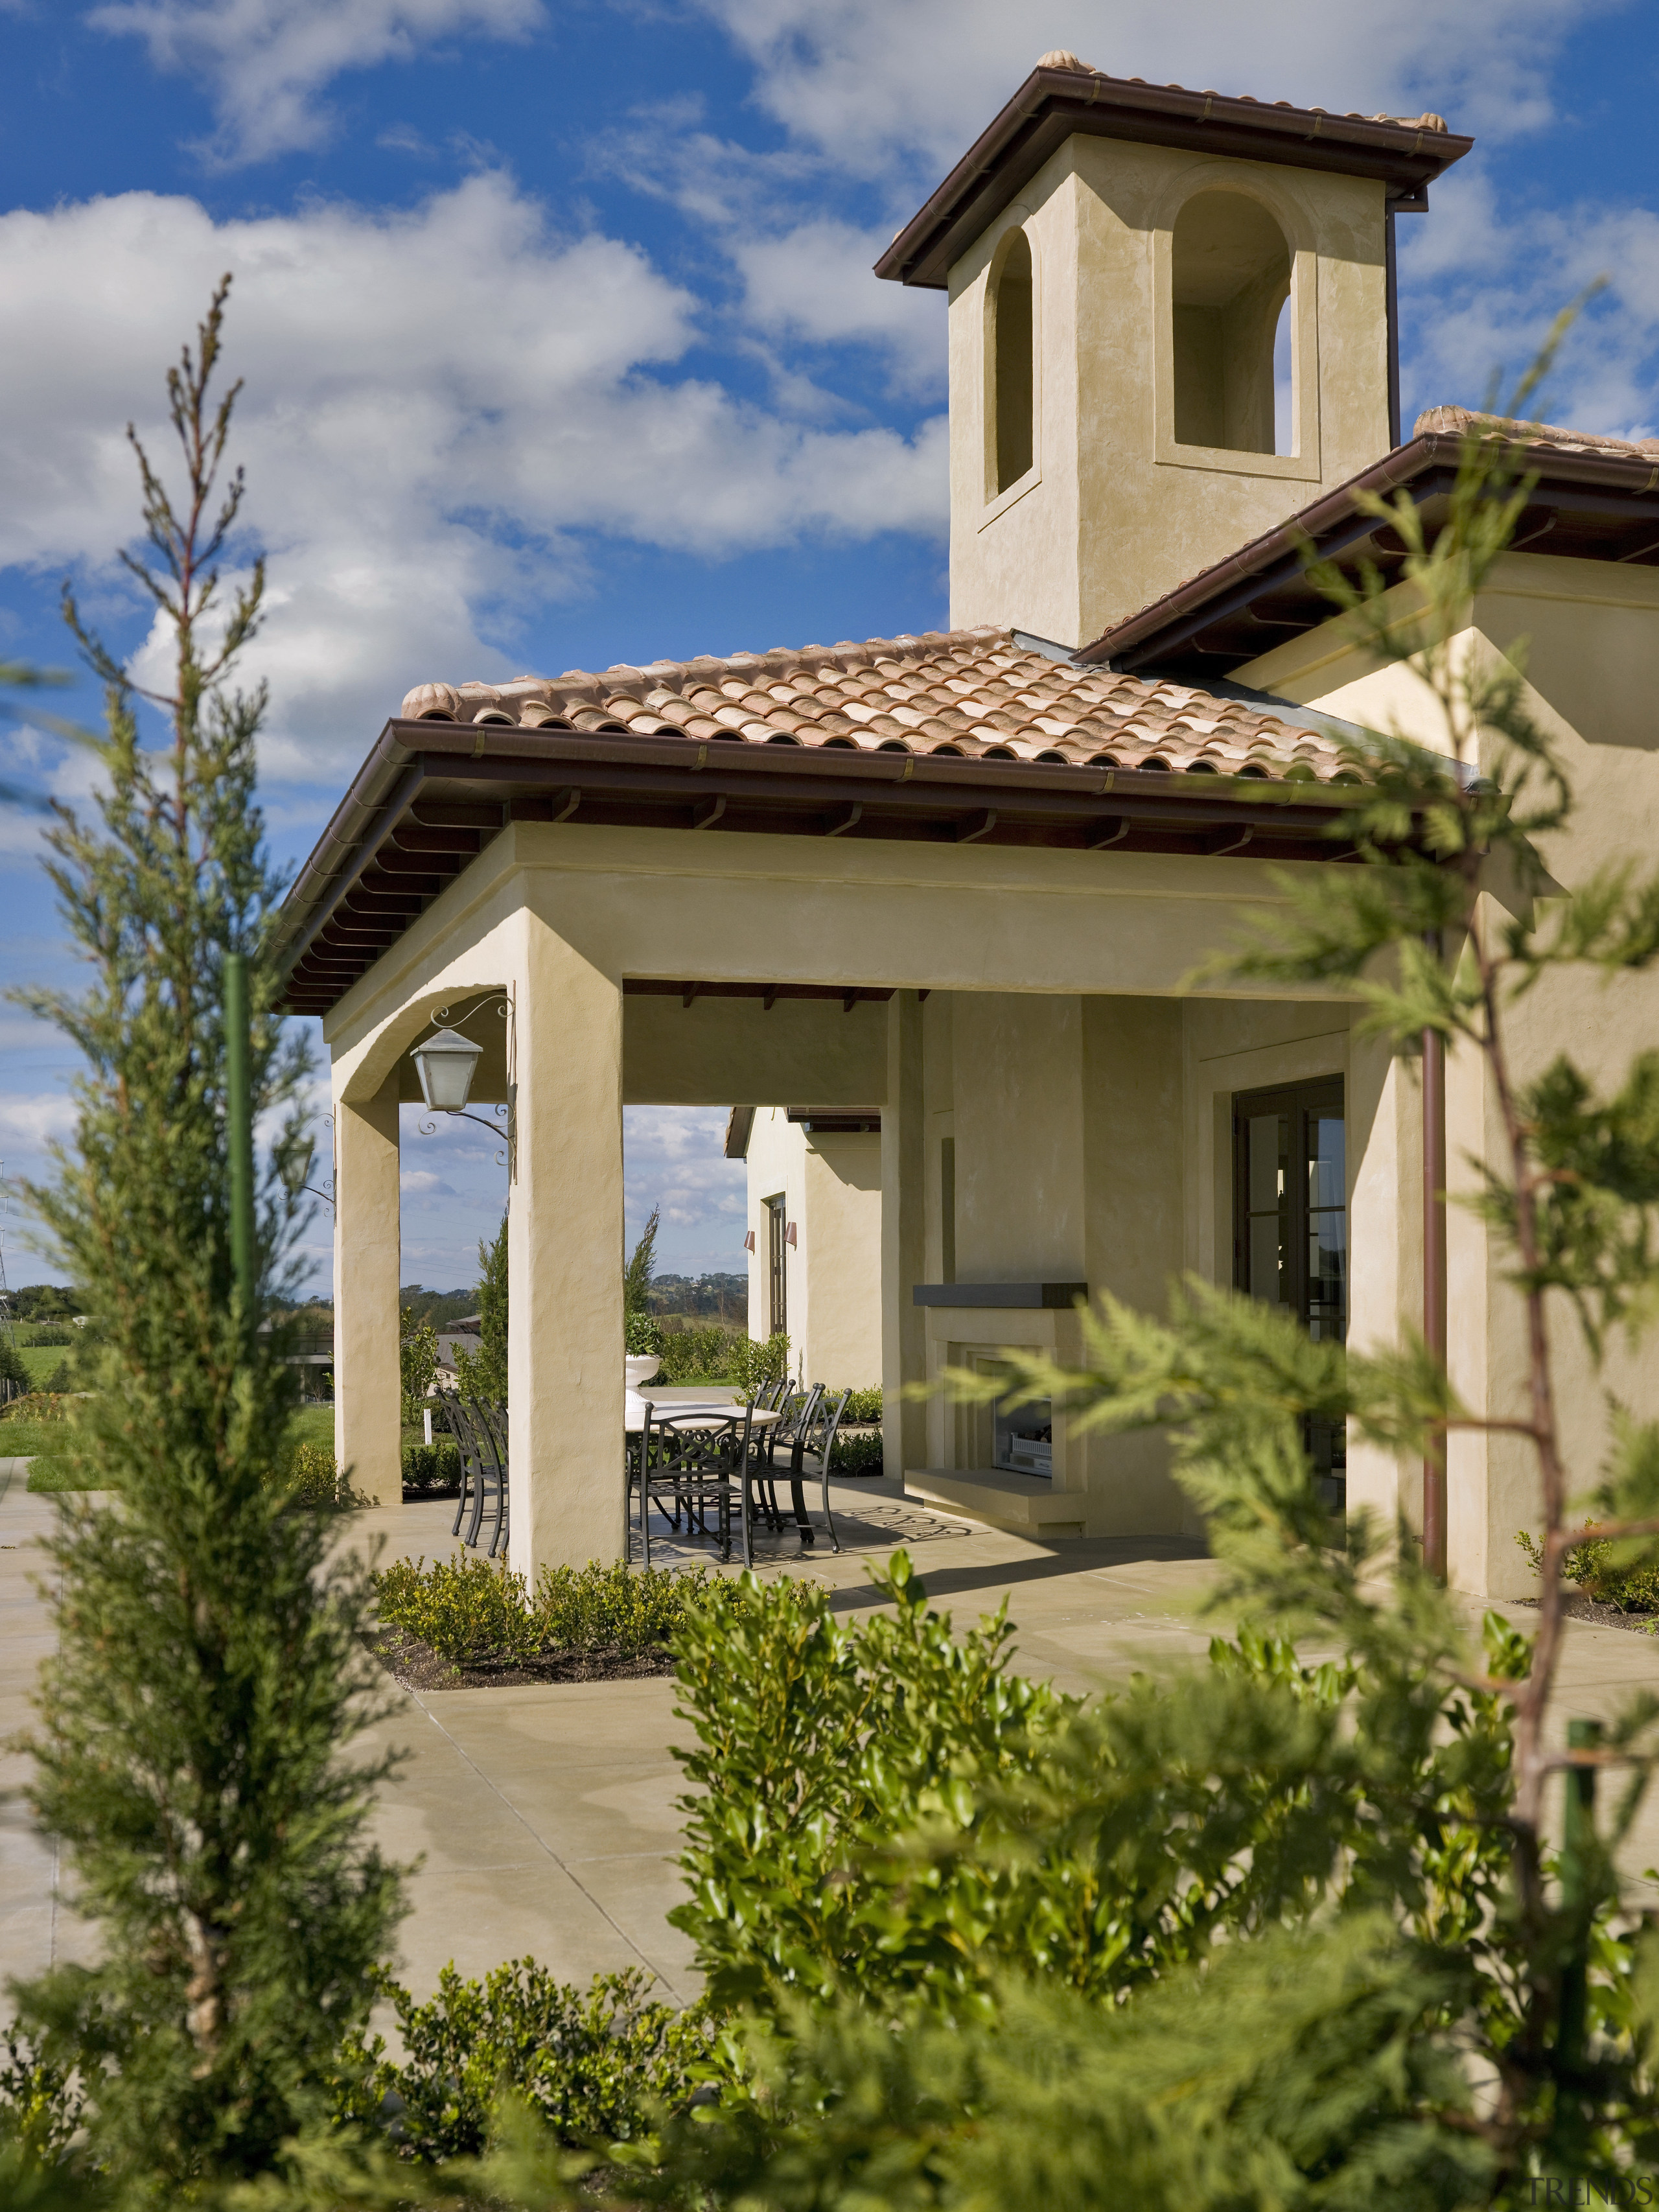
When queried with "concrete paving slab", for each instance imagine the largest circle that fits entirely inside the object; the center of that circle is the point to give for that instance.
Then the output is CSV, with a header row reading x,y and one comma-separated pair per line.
x,y
543,1816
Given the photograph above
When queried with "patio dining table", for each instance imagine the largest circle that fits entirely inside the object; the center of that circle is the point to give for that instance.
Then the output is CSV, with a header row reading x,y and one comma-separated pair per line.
x,y
709,1413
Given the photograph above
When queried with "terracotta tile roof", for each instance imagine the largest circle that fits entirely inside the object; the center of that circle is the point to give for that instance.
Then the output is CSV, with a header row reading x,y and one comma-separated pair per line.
x,y
1456,421
978,693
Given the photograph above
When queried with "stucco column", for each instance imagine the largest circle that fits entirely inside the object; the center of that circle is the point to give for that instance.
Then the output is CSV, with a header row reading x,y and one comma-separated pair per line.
x,y
1385,1247
367,1383
565,1258
903,1335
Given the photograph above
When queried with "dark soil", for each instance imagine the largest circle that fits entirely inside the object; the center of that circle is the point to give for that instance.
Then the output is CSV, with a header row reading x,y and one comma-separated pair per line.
x,y
1580,1607
418,1495
412,1660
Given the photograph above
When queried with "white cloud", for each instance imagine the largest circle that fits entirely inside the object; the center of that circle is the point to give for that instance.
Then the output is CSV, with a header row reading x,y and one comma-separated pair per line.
x,y
674,1157
265,61
1482,284
30,1121
881,87
421,1183
439,404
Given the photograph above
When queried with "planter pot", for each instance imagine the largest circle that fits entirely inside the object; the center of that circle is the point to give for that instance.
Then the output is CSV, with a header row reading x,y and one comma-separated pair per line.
x,y
640,1367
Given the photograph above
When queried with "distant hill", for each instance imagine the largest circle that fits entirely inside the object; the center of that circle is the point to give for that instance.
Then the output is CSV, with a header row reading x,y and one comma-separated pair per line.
x,y
706,1298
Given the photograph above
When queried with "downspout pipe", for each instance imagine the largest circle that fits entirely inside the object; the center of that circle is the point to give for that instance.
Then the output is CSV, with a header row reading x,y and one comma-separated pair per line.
x,y
1434,1286
1392,294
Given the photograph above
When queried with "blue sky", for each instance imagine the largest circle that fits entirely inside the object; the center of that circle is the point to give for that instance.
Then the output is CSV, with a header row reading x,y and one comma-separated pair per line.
x,y
562,347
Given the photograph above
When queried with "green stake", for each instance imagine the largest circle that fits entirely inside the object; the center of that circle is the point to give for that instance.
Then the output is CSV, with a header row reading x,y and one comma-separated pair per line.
x,y
239,1129
1577,1870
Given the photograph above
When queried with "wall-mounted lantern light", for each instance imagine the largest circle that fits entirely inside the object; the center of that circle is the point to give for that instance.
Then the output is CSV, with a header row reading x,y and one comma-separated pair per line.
x,y
748,1242
789,1234
445,1063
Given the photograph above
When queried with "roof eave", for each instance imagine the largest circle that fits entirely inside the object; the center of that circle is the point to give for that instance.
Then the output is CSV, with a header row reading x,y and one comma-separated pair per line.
x,y
1153,631
1053,104
487,760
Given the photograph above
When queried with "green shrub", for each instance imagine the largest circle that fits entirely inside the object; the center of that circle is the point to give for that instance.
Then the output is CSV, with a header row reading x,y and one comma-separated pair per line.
x,y
35,1407
750,1364
59,1381
643,1335
467,1609
311,1475
1605,1570
41,2102
910,1825
471,1610
696,1355
821,1740
435,1466
863,1407
596,2065
616,1607
859,1453
43,1337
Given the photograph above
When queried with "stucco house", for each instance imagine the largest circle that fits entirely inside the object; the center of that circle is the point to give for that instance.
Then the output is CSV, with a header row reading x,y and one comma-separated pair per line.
x,y
955,880
814,1235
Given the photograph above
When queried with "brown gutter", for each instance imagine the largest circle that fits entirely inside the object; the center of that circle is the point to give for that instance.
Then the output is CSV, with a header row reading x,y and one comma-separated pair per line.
x,y
1054,104
1144,638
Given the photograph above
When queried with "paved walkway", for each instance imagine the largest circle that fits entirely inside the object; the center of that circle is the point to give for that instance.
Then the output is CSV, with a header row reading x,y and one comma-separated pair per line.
x,y
543,1817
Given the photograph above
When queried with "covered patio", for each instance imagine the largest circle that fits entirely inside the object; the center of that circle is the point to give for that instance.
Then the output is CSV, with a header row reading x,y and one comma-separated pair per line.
x,y
947,876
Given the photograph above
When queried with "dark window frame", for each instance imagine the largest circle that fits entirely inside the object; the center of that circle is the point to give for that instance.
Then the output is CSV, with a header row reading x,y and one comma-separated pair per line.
x,y
1321,1095
777,1266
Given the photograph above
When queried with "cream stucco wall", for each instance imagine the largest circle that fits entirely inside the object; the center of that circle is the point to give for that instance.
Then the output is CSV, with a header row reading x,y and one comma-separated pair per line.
x,y
555,918
1113,511
1591,650
1091,1142
832,1188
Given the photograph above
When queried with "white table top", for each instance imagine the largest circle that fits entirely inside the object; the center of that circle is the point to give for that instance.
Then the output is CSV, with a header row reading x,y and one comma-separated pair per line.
x,y
689,1412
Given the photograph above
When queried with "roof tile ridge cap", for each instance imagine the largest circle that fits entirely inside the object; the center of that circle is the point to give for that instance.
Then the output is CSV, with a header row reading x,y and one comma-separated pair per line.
x,y
1434,126
577,686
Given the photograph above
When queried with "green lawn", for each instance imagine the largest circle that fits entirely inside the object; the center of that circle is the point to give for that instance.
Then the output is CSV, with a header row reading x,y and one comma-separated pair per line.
x,y
23,1439
314,1425
42,1361
56,1469
56,1474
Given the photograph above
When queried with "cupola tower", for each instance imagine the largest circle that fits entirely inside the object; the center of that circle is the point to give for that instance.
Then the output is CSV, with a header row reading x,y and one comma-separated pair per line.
x,y
1171,326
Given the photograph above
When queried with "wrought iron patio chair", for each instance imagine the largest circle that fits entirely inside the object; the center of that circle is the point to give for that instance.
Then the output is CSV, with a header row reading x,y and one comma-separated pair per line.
x,y
690,1470
455,1420
481,1432
786,1435
816,1448
492,1417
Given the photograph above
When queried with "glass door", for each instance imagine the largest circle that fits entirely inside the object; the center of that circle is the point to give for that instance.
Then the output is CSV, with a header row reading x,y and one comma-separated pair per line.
x,y
1290,1226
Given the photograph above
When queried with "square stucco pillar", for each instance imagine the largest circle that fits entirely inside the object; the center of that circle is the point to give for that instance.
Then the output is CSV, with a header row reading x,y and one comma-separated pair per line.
x,y
367,1381
565,1260
1385,1243
904,1334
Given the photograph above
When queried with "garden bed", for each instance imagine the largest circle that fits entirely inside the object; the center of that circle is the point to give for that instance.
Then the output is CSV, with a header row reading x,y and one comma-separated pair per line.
x,y
412,1660
1600,1614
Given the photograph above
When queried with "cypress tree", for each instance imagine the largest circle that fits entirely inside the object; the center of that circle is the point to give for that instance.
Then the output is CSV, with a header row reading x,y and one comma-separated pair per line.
x,y
483,1373
190,1728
